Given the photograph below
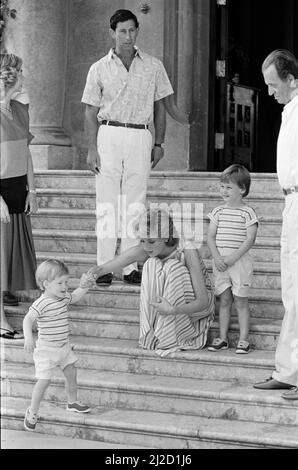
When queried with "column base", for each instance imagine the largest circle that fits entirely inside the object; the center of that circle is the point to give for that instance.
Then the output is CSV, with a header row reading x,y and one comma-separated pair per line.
x,y
49,136
51,157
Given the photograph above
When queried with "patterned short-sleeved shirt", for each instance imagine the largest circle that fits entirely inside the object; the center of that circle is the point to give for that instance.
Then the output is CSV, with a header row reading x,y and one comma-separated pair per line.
x,y
126,96
232,224
52,319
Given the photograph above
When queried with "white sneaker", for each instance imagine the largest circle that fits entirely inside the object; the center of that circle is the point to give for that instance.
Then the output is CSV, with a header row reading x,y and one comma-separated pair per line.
x,y
78,407
243,347
30,420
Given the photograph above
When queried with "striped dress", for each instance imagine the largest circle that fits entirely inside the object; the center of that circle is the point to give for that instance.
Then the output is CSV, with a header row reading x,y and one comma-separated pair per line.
x,y
171,279
18,259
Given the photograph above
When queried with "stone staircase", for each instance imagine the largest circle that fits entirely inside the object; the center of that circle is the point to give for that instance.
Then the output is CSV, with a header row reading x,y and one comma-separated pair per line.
x,y
191,399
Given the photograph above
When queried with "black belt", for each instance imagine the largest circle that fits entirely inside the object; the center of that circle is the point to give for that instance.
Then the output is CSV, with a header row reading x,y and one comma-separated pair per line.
x,y
124,124
292,190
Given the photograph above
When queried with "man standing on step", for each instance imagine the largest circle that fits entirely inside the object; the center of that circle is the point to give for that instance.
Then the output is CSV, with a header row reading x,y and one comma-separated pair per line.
x,y
124,92
280,71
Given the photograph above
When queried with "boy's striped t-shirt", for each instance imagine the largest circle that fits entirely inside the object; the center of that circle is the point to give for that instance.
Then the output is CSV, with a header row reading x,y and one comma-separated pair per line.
x,y
52,319
232,224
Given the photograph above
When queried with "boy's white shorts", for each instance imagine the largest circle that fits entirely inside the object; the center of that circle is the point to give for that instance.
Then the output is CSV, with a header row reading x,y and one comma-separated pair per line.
x,y
237,277
46,359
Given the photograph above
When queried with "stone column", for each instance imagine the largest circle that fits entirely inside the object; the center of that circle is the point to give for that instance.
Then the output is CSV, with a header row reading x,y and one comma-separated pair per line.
x,y
39,36
187,48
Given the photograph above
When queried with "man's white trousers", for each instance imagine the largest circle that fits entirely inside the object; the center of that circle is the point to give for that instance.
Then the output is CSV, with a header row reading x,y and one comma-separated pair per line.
x,y
120,188
286,359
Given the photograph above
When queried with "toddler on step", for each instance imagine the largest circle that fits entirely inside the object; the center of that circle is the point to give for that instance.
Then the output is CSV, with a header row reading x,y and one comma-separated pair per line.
x,y
52,348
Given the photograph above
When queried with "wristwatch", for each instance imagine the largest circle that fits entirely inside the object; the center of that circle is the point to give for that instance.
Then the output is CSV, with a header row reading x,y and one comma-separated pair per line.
x,y
158,145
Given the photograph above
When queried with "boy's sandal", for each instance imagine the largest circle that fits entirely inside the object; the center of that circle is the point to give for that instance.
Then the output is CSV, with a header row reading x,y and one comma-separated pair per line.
x,y
243,347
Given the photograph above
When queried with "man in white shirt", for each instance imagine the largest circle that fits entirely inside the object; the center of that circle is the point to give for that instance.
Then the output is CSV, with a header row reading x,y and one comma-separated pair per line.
x,y
280,71
124,93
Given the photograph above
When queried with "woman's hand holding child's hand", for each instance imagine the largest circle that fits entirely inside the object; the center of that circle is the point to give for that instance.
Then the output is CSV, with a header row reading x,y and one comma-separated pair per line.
x,y
163,306
87,280
96,271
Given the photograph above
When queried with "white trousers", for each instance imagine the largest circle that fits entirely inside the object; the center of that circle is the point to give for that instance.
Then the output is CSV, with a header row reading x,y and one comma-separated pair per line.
x,y
286,358
120,188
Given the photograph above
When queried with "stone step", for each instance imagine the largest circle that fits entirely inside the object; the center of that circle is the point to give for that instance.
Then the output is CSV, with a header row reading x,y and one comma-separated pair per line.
x,y
64,219
153,429
83,219
124,355
264,204
264,303
209,181
265,249
70,241
124,324
263,334
168,180
12,439
189,396
266,275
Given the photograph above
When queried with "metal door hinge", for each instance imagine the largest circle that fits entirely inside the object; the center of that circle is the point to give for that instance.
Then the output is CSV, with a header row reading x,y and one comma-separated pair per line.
x,y
219,141
220,68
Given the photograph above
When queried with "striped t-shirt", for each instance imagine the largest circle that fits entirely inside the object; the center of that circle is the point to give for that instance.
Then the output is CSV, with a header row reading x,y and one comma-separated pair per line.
x,y
232,224
52,319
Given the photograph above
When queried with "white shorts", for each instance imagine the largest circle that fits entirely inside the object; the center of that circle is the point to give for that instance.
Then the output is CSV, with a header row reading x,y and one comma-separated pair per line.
x,y
46,359
237,277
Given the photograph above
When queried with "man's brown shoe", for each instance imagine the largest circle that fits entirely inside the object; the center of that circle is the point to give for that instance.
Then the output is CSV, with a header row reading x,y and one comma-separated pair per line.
x,y
272,384
291,394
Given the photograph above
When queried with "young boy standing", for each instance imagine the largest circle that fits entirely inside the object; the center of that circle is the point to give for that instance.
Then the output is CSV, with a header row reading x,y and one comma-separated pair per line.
x,y
52,349
232,232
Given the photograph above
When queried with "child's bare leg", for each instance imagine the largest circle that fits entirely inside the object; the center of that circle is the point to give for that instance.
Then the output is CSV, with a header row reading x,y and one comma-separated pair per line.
x,y
241,304
38,393
70,373
226,301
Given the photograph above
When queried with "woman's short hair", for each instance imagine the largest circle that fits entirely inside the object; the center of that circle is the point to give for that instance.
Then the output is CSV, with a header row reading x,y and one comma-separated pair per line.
x,y
284,61
11,60
120,16
158,223
239,175
49,270
10,66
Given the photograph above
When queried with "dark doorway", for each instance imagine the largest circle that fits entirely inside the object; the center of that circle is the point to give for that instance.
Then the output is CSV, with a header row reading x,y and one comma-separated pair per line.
x,y
244,33
255,28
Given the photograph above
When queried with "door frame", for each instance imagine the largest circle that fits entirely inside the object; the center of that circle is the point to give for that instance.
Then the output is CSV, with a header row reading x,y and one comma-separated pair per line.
x,y
219,42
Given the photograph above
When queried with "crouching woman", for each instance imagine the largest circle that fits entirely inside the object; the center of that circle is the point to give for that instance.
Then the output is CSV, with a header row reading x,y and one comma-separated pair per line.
x,y
176,302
